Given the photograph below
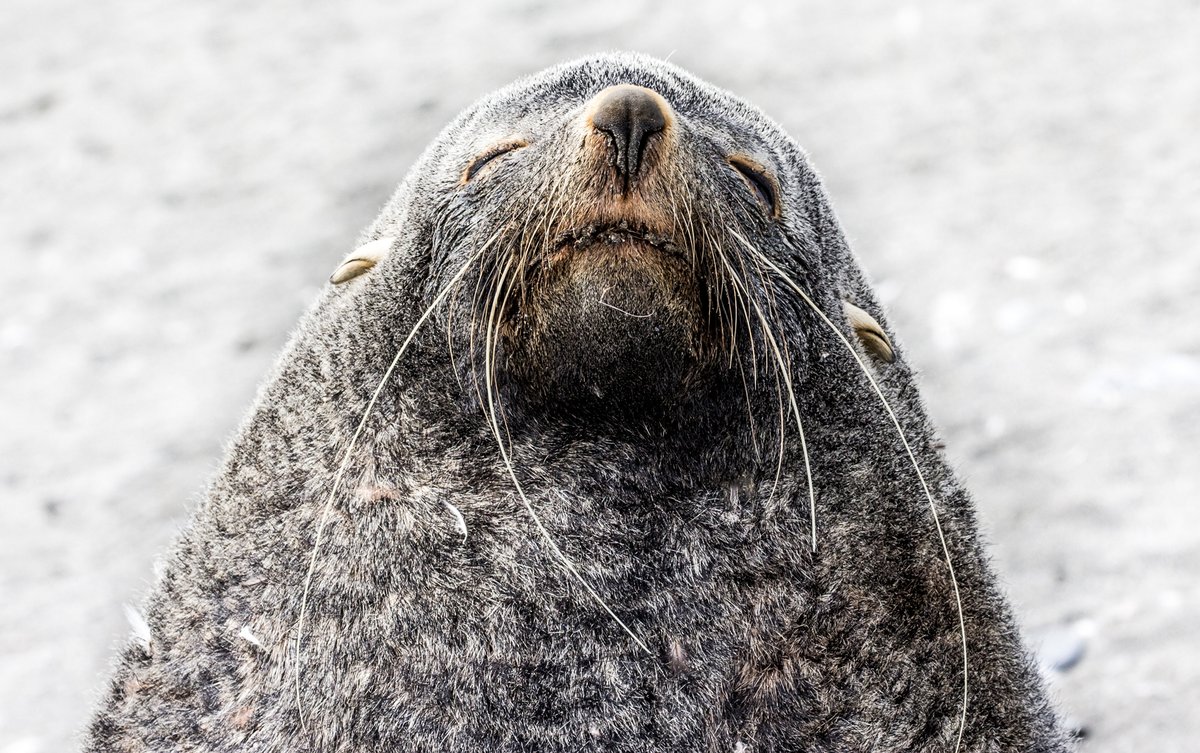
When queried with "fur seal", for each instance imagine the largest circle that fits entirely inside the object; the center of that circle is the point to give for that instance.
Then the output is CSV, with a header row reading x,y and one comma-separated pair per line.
x,y
598,441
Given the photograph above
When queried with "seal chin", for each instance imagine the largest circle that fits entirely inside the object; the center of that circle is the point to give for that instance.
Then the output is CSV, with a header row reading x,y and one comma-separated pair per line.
x,y
611,328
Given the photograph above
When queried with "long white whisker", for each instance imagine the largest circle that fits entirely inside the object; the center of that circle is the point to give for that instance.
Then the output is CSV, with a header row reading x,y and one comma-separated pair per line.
x,y
489,351
743,292
739,284
785,372
345,463
962,622
750,413
450,319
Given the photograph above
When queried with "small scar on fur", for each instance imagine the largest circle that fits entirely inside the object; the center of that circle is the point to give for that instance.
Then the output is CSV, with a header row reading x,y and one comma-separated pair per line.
x,y
676,657
242,717
377,493
132,685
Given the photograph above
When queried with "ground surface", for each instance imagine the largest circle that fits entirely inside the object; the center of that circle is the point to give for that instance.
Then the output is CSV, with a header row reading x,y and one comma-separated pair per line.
x,y
177,179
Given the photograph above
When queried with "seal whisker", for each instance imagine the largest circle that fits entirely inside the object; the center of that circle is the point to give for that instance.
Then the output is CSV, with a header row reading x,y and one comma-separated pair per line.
x,y
728,293
543,233
492,343
782,410
683,232
345,463
510,258
742,294
725,294
784,371
476,306
606,304
488,369
784,366
506,456
456,288
738,294
741,286
962,623
750,414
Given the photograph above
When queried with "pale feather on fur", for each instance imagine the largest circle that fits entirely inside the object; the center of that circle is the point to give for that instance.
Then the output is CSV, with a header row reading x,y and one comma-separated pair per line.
x,y
139,626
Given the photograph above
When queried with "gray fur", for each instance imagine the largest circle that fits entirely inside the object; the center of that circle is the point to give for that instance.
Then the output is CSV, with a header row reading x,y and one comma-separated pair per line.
x,y
418,637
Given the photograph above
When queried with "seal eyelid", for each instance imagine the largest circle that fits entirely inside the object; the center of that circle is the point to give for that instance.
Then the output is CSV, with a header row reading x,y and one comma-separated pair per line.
x,y
496,150
765,188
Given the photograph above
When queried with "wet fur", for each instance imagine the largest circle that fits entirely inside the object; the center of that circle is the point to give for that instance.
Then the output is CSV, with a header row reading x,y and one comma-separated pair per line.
x,y
689,516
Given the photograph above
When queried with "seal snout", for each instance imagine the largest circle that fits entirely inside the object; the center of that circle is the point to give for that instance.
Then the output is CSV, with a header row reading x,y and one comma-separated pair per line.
x,y
629,117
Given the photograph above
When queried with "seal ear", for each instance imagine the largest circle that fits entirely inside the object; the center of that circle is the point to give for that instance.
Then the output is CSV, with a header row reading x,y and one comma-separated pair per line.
x,y
870,334
362,259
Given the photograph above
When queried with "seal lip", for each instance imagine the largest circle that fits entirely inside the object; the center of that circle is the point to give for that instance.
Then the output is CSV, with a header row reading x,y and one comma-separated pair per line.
x,y
616,236
615,233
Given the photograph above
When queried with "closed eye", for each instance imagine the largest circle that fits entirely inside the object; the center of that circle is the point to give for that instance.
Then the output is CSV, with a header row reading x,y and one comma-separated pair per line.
x,y
498,150
759,181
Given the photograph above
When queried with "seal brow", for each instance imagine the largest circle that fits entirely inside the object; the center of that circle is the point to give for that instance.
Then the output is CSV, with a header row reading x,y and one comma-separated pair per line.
x,y
496,150
962,622
760,181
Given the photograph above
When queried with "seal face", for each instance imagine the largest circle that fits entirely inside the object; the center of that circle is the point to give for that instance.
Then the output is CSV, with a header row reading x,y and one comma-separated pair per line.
x,y
598,441
610,292
613,319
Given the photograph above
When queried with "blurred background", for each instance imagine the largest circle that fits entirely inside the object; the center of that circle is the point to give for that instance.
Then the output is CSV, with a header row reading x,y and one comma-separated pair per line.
x,y
1022,180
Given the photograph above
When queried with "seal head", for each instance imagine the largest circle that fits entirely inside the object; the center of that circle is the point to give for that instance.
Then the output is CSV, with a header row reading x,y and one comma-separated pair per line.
x,y
608,289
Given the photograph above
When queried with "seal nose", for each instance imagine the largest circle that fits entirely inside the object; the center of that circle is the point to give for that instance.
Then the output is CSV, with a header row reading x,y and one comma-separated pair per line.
x,y
628,115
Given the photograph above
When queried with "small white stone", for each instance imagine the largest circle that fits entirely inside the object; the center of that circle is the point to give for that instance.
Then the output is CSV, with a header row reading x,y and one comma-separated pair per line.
x,y
1023,268
908,21
24,745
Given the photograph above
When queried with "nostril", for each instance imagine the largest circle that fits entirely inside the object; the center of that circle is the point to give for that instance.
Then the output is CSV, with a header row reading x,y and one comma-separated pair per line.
x,y
628,115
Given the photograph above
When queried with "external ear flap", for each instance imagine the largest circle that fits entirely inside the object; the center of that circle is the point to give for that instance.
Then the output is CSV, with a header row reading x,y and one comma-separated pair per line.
x,y
870,334
362,259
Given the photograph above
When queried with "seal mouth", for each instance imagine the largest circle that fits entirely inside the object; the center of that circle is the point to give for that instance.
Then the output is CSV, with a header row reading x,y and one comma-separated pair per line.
x,y
616,234
610,320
